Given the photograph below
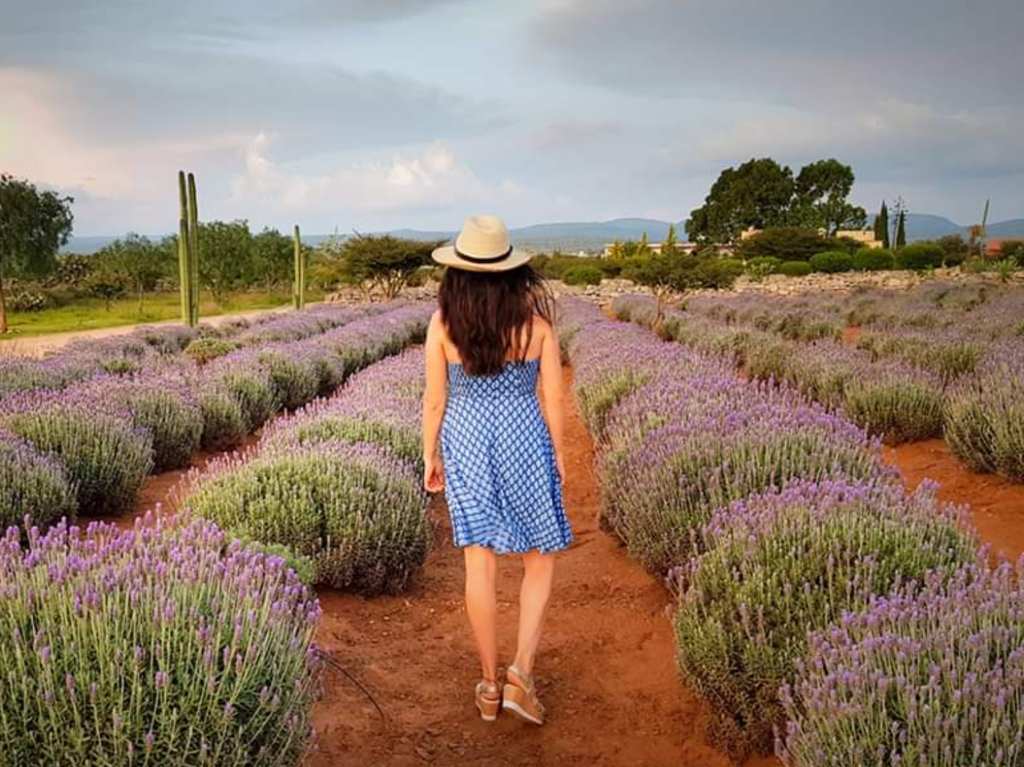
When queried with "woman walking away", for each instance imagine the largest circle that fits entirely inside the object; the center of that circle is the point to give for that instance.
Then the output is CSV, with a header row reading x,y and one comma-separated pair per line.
x,y
491,447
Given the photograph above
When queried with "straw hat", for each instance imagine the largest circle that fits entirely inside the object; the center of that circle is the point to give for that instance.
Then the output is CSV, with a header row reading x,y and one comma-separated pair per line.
x,y
482,246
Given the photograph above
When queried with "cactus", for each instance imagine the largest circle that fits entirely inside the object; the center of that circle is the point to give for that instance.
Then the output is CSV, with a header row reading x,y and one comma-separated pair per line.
x,y
299,283
188,249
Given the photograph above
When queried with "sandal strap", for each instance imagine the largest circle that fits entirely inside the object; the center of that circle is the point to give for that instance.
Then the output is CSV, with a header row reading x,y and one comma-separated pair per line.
x,y
527,685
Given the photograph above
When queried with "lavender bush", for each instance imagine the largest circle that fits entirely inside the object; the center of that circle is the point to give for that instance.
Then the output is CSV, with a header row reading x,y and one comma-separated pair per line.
x,y
921,678
32,485
162,645
225,423
787,562
984,417
356,510
104,455
897,403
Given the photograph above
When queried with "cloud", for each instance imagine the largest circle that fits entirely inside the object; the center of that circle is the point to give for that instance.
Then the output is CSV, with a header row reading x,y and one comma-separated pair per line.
x,y
432,178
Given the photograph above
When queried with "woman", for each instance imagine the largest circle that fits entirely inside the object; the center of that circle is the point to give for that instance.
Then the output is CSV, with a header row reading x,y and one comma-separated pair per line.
x,y
491,447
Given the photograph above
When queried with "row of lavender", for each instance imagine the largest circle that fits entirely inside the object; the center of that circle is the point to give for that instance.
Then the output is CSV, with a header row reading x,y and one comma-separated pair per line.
x,y
188,641
152,346
338,484
86,448
902,385
817,600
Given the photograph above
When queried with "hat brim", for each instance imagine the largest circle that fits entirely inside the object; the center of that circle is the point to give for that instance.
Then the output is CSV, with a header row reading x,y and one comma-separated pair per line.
x,y
446,256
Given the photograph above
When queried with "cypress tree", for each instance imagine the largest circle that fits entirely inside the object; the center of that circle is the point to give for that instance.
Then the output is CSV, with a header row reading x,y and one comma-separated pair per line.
x,y
901,230
882,225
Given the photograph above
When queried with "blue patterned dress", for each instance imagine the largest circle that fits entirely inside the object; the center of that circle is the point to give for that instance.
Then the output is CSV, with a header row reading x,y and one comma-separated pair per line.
x,y
501,481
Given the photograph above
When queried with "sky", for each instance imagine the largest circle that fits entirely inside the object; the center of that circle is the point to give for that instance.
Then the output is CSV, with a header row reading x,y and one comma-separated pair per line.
x,y
343,115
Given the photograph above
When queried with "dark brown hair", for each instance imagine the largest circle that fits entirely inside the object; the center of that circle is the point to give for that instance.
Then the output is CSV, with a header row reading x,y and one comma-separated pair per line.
x,y
486,312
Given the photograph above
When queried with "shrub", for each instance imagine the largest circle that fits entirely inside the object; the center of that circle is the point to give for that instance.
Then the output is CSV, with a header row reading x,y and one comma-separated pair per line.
x,y
355,510
202,350
582,275
832,262
873,260
251,386
792,561
795,268
984,419
32,485
224,422
896,404
105,456
928,677
919,256
717,273
785,243
760,267
162,645
1014,250
26,298
954,249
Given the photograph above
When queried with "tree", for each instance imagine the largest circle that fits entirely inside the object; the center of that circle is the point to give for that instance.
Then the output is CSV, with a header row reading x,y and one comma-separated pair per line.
x,y
664,275
822,191
141,262
757,194
376,262
272,258
786,243
33,227
671,241
899,223
882,226
227,256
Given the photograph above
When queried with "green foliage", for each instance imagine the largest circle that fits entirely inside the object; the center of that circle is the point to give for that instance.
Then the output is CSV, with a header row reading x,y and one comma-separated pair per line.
x,y
33,227
786,243
582,275
758,193
139,261
1013,249
795,268
106,457
761,266
225,423
873,260
354,511
71,270
1005,268
555,265
919,256
832,262
202,350
380,263
272,258
822,189
955,250
882,226
896,408
106,283
225,260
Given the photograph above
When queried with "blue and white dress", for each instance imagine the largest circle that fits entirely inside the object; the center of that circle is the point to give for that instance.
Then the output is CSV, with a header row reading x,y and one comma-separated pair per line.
x,y
501,480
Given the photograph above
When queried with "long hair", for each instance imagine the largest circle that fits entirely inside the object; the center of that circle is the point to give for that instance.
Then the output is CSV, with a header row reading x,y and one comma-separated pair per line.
x,y
486,313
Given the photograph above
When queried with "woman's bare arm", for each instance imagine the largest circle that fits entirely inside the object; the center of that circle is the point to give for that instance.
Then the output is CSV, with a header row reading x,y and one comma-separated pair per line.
x,y
551,388
435,399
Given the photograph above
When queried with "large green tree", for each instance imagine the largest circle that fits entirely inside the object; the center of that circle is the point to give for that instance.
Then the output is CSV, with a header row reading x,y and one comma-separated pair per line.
x,y
138,260
381,263
882,226
273,258
225,256
822,191
33,226
756,194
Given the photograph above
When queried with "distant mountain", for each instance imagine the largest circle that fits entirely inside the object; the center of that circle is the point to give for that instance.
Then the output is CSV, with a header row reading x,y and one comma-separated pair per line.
x,y
593,235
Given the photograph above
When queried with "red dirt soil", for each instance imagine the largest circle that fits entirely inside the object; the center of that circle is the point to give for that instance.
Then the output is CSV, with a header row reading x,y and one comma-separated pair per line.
x,y
997,505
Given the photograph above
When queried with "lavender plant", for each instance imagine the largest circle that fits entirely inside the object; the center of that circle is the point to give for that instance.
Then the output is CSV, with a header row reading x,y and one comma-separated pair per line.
x,y
166,644
922,677
32,485
356,510
787,562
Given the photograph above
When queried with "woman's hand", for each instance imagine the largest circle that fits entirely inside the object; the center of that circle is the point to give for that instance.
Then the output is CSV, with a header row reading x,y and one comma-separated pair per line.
x,y
433,474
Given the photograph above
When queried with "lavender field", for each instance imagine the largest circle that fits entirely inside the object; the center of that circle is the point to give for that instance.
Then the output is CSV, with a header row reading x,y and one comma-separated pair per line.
x,y
820,610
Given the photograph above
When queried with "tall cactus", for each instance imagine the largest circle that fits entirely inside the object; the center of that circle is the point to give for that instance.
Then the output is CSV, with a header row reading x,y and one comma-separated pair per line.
x,y
188,249
299,281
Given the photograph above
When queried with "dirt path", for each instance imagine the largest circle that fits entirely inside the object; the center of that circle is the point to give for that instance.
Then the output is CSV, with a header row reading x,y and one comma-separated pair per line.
x,y
37,346
997,505
606,668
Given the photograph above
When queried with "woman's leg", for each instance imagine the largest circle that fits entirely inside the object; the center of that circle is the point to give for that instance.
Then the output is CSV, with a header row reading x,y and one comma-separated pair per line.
x,y
481,568
538,571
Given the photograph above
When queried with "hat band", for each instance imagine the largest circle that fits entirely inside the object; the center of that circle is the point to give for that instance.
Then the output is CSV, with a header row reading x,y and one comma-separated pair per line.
x,y
483,260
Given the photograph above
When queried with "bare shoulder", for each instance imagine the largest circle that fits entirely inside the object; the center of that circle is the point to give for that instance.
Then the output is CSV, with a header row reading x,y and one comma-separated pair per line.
x,y
436,326
541,326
